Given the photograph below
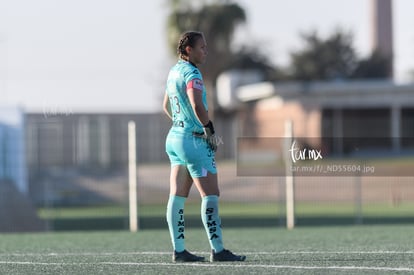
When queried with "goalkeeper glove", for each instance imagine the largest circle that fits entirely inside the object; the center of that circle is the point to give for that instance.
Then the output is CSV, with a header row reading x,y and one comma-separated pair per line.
x,y
209,135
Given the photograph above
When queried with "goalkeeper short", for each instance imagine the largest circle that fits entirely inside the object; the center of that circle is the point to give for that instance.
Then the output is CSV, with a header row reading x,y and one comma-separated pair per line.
x,y
191,151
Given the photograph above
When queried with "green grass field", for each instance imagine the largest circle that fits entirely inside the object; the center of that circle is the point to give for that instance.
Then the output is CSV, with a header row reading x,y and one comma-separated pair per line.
x,y
235,215
305,250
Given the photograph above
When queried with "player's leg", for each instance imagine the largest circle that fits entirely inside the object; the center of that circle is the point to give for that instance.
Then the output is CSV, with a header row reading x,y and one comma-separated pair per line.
x,y
209,191
180,185
180,181
179,189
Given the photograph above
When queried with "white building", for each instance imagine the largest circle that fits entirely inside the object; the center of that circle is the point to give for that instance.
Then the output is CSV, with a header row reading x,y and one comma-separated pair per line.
x,y
380,111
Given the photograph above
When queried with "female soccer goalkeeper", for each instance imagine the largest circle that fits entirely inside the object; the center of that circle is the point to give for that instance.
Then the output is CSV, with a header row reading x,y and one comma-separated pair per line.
x,y
191,147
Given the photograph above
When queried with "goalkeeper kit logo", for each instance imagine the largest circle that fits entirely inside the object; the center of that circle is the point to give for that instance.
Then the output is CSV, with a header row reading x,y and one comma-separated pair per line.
x,y
211,224
180,224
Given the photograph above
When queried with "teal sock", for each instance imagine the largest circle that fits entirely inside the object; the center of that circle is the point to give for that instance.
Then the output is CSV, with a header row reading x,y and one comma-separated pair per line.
x,y
175,220
211,221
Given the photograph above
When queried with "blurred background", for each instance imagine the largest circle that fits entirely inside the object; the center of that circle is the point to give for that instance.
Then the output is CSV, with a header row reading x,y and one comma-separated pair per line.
x,y
74,73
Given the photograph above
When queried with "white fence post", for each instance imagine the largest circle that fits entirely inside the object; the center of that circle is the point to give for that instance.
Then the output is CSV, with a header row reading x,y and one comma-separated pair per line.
x,y
132,168
290,190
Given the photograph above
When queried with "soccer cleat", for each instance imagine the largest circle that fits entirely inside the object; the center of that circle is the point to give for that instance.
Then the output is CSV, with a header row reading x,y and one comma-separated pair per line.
x,y
186,256
226,256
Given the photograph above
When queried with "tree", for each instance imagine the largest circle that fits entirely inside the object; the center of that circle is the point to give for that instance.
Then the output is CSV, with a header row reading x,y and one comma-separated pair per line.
x,y
375,66
324,59
335,58
250,58
217,21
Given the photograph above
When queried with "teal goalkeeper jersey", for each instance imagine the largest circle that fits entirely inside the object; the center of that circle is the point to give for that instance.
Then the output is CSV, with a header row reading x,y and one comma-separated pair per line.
x,y
182,76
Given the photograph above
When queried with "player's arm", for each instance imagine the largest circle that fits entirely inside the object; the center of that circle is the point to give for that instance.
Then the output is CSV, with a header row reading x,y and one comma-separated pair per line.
x,y
166,106
195,97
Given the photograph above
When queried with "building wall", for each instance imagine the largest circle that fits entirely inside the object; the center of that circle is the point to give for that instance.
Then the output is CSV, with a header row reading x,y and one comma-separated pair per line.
x,y
92,140
383,128
12,147
101,140
270,117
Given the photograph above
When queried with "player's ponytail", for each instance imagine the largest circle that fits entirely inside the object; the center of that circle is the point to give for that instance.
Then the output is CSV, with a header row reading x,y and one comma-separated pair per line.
x,y
187,39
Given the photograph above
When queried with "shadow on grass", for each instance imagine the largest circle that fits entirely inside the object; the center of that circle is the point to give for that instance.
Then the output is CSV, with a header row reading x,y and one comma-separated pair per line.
x,y
119,223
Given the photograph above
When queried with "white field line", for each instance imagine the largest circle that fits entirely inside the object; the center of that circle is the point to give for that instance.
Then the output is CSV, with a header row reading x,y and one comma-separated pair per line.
x,y
209,265
57,254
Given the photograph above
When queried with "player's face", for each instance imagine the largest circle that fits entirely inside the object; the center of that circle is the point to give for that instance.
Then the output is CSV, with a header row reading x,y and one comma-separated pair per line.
x,y
199,53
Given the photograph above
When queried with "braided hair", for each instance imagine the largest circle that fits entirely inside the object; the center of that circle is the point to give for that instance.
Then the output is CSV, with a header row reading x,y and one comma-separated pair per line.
x,y
187,39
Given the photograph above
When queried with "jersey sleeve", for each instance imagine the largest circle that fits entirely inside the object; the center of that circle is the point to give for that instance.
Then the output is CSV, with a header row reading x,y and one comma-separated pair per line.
x,y
193,79
195,83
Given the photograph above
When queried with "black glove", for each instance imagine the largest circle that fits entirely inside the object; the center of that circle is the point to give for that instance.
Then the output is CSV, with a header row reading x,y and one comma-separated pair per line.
x,y
209,135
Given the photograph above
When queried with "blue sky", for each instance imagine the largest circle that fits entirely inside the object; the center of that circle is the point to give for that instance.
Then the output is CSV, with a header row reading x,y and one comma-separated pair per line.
x,y
107,55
